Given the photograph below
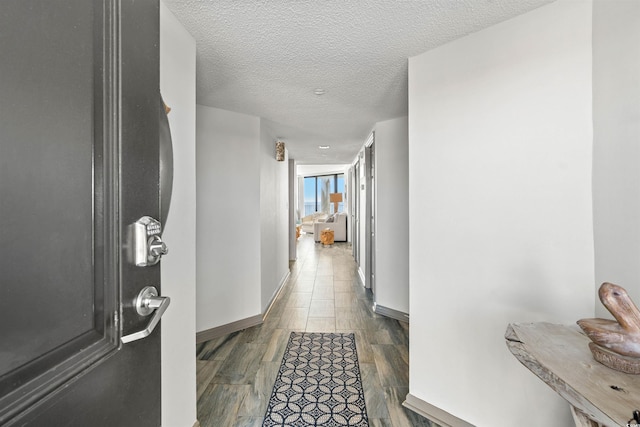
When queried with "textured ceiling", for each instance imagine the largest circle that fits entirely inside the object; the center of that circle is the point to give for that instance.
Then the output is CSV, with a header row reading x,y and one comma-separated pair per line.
x,y
266,58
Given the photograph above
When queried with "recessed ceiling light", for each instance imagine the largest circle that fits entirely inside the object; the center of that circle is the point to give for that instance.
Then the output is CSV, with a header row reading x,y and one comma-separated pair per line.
x,y
324,147
319,91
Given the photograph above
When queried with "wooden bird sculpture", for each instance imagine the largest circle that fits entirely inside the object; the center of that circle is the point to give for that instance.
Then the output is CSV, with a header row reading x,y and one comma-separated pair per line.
x,y
620,336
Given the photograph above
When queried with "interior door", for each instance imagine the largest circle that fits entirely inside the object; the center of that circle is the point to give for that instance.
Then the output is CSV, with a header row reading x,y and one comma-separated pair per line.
x,y
79,126
356,212
371,209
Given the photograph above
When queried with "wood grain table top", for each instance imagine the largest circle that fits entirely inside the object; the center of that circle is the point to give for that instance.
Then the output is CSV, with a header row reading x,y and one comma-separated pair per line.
x,y
559,355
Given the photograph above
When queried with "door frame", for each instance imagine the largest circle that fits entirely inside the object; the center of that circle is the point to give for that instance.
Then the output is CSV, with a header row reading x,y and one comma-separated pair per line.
x,y
355,215
370,214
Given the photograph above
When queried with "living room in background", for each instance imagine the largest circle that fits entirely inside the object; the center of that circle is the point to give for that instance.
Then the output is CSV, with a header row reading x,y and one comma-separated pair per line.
x,y
317,190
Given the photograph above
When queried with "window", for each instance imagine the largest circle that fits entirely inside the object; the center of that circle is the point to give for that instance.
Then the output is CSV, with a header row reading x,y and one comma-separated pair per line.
x,y
317,190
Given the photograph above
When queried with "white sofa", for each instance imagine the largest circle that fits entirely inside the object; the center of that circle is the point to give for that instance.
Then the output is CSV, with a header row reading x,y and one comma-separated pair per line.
x,y
338,225
308,221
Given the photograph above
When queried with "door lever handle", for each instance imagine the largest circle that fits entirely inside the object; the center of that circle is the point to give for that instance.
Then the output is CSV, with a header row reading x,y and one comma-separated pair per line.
x,y
148,302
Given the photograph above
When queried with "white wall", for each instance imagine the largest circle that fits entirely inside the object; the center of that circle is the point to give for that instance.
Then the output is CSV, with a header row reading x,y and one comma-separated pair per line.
x,y
500,144
273,218
293,197
616,126
392,215
300,199
228,217
178,87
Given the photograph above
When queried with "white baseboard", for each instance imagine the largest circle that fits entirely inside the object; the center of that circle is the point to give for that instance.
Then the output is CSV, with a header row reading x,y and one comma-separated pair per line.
x,y
433,413
390,312
361,276
266,310
229,328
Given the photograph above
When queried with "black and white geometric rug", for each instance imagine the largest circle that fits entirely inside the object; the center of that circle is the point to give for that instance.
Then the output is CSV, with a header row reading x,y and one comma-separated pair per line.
x,y
319,383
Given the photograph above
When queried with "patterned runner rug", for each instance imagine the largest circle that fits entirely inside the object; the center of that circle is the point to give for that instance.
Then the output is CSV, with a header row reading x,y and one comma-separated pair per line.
x,y
319,383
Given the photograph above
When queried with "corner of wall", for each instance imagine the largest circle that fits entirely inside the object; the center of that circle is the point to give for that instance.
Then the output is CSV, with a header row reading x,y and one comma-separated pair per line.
x,y
275,231
178,270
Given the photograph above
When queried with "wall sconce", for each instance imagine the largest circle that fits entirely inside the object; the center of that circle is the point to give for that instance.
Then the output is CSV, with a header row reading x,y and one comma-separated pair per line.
x,y
280,151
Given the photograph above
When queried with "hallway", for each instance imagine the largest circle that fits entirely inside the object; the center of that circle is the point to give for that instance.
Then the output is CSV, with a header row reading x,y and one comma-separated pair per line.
x,y
235,373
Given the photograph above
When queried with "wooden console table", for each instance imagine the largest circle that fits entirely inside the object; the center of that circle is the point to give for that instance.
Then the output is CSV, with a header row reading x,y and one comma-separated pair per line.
x,y
559,355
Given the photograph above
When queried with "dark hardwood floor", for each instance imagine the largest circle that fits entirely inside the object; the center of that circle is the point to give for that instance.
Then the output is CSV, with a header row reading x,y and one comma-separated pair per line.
x,y
236,372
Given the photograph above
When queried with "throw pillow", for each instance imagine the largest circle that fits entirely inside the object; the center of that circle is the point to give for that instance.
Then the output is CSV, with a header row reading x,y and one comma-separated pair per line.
x,y
331,218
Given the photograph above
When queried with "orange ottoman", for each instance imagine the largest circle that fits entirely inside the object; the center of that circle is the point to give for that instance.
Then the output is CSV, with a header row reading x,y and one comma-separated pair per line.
x,y
326,236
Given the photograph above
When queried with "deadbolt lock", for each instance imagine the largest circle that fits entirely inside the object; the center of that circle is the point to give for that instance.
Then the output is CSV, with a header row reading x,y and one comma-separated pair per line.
x,y
148,243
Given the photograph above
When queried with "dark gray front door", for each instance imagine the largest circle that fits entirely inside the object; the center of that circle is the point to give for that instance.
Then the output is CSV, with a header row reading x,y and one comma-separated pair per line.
x,y
79,109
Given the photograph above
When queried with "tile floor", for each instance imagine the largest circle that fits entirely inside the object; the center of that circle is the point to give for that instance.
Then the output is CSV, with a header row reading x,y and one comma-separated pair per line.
x,y
236,372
